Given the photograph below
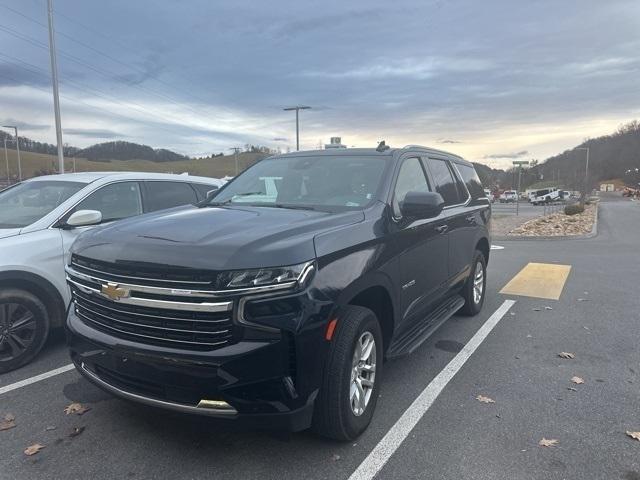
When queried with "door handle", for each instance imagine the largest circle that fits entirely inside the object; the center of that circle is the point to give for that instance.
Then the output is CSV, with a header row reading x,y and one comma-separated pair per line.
x,y
442,228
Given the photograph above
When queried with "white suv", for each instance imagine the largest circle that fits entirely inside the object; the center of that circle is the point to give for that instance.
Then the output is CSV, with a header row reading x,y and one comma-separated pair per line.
x,y
41,217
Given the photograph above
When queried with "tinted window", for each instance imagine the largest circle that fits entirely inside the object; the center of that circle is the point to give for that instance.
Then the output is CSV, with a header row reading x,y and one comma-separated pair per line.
x,y
115,201
444,182
161,195
23,204
410,178
471,180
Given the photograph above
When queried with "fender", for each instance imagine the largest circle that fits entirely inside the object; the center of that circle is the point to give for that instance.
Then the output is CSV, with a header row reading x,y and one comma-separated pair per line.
x,y
53,300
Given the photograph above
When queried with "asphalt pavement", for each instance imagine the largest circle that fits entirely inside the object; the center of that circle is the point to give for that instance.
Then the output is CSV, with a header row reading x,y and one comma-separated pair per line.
x,y
516,365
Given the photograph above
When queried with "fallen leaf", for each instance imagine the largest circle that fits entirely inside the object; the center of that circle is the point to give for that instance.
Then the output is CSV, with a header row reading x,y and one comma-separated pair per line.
x,y
567,355
545,442
572,389
50,427
76,431
548,308
33,449
483,399
8,422
76,408
577,380
635,435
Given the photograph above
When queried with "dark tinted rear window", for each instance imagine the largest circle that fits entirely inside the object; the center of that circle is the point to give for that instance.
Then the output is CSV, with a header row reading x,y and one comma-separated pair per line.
x,y
471,180
444,181
161,195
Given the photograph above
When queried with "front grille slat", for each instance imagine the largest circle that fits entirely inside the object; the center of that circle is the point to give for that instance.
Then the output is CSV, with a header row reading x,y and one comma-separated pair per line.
x,y
187,322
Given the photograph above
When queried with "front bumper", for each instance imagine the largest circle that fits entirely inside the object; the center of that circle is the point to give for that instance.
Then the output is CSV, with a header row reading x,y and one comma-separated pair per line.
x,y
264,383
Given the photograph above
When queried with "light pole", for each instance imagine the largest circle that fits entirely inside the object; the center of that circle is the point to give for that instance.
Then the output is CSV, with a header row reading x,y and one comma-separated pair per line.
x,y
6,159
54,81
586,175
235,154
297,108
17,149
519,164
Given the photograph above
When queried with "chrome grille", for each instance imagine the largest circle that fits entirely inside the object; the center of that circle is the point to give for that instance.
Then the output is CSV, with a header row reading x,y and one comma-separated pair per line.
x,y
152,315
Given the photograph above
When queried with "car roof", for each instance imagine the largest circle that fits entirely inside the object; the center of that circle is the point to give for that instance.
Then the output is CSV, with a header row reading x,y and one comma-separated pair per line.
x,y
89,177
329,152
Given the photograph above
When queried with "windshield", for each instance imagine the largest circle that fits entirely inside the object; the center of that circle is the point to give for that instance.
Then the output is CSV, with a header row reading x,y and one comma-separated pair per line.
x,y
317,182
27,202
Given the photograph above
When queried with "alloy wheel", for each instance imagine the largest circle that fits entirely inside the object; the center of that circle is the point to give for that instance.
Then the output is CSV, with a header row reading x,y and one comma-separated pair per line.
x,y
478,283
17,330
363,373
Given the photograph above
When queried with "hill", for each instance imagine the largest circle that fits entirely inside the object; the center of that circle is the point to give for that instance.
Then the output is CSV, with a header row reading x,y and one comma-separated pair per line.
x,y
128,151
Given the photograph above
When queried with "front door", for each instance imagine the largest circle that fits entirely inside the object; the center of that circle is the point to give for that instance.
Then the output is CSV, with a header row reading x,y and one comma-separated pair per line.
x,y
422,245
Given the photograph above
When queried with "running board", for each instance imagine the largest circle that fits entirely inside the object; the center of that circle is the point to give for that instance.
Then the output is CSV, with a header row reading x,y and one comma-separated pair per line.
x,y
414,337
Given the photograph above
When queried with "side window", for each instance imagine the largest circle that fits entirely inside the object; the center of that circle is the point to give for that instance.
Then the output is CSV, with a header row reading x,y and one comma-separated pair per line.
x,y
115,201
161,195
444,181
202,189
410,178
471,180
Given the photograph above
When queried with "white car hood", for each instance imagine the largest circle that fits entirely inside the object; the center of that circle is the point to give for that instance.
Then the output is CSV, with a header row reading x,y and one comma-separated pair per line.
x,y
9,232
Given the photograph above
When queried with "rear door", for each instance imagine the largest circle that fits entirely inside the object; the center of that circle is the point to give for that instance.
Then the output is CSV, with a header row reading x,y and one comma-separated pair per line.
x,y
423,249
456,216
162,194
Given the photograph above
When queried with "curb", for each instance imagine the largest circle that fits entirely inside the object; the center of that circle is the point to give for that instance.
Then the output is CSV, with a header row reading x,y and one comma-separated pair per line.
x,y
591,234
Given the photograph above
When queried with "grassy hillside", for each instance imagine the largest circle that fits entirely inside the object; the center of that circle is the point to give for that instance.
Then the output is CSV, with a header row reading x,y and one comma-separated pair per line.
x,y
41,164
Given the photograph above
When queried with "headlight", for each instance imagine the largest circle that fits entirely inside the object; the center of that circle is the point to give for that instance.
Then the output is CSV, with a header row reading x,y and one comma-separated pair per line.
x,y
262,277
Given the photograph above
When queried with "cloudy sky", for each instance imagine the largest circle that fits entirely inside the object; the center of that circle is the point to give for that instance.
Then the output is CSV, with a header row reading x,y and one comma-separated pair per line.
x,y
492,80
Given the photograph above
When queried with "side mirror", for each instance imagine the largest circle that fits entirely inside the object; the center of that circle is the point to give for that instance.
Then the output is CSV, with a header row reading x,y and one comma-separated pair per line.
x,y
212,193
82,218
420,205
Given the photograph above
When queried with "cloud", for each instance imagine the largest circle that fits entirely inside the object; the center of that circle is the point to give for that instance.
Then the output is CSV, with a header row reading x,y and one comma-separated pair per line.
x,y
442,140
495,156
93,133
280,139
12,74
23,125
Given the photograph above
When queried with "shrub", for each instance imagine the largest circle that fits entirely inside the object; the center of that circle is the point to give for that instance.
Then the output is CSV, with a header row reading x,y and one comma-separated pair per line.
x,y
573,209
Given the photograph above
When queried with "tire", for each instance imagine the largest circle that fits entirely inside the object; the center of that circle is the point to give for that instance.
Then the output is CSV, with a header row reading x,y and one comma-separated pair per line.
x,y
24,327
473,305
334,416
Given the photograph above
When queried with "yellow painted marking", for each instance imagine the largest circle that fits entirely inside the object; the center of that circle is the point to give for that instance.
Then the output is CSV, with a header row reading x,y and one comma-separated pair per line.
x,y
541,280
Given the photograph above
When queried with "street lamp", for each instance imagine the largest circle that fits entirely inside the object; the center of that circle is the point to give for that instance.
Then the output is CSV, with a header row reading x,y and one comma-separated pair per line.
x,y
586,174
297,108
18,150
235,154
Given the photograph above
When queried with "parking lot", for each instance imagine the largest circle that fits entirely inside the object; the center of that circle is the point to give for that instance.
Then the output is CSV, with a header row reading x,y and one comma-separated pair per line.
x,y
515,364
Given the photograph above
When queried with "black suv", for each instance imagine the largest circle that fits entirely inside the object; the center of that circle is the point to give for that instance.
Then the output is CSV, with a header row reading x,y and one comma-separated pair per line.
x,y
276,300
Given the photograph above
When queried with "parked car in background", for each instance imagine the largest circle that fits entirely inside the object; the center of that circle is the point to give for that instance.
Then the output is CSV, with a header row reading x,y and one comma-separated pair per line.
x,y
41,217
275,302
508,196
545,195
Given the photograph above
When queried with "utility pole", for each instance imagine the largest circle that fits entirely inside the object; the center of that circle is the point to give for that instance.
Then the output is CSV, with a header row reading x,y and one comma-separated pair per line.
x,y
519,164
297,108
6,159
235,154
586,175
15,129
54,79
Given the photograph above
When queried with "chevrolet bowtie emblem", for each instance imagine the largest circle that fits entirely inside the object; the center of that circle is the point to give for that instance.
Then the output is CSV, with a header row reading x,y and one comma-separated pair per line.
x,y
112,291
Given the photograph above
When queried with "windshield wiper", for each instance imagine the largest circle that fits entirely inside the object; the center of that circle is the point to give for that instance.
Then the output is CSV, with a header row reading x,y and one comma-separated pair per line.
x,y
230,199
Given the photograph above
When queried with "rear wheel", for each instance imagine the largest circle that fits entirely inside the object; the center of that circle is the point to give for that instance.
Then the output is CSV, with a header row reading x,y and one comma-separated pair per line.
x,y
349,392
476,286
24,326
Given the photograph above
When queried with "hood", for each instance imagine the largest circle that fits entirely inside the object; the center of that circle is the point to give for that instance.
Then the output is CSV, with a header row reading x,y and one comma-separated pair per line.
x,y
213,238
9,232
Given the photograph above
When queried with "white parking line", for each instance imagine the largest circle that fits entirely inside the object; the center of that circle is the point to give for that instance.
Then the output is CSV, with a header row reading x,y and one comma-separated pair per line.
x,y
401,429
37,378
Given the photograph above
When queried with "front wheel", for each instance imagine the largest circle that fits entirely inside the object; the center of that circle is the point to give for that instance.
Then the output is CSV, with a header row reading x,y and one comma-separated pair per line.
x,y
476,286
24,325
349,391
